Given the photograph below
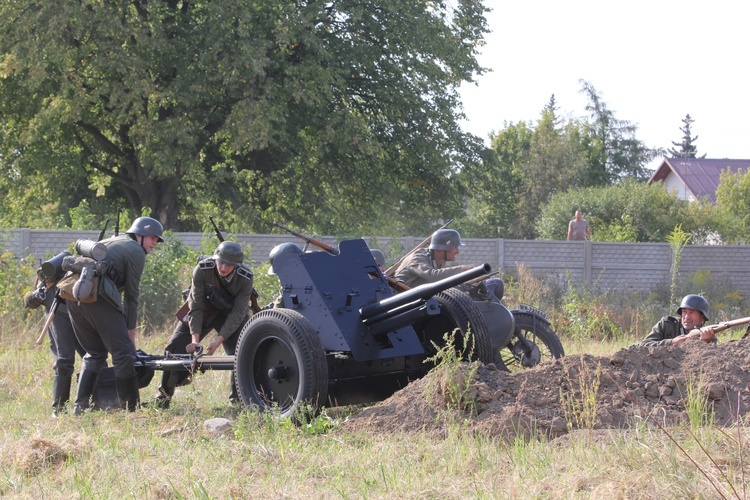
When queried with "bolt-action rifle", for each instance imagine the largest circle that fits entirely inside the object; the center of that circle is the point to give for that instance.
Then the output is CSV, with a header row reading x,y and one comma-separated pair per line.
x,y
424,243
724,325
399,286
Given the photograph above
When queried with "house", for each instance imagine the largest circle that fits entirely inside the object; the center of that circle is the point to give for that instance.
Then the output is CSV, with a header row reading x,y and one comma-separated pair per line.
x,y
695,178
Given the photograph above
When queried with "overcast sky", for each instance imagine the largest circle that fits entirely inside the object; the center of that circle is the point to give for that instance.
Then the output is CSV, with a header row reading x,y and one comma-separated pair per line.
x,y
653,62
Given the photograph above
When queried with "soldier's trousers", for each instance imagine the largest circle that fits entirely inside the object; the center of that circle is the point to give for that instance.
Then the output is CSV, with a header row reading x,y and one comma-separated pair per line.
x,y
64,345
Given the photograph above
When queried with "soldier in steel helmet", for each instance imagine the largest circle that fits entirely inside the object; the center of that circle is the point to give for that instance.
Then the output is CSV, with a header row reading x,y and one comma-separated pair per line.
x,y
379,257
688,324
108,326
426,264
219,299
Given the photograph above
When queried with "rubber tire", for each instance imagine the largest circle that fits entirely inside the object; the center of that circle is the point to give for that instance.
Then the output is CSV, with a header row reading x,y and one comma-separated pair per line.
x,y
542,336
281,338
459,309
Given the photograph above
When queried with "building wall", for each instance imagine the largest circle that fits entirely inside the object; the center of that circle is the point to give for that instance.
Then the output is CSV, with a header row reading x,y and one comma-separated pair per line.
x,y
631,266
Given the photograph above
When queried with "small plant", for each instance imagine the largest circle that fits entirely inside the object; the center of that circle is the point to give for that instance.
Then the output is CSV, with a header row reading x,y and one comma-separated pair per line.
x,y
453,381
579,402
677,240
695,400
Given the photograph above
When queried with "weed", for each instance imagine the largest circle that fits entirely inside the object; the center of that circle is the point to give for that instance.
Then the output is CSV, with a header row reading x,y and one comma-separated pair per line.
x,y
699,410
452,387
579,402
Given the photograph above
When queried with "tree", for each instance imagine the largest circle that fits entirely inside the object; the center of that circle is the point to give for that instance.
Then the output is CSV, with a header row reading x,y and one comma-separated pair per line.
x,y
627,211
334,115
618,153
686,148
733,206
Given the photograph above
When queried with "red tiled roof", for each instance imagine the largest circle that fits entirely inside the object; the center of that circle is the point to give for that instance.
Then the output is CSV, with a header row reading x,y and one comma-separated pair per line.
x,y
699,175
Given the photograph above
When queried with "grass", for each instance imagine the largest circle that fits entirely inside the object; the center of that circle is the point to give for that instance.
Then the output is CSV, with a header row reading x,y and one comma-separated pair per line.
x,y
169,454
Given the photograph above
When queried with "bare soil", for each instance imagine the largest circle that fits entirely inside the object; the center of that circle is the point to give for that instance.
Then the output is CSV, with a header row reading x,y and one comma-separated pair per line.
x,y
634,383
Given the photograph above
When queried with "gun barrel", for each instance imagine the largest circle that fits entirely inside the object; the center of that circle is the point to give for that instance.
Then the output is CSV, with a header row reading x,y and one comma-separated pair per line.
x,y
421,292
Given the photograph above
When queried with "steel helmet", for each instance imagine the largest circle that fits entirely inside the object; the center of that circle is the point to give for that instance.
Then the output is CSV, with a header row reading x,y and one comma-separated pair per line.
x,y
281,250
379,256
229,253
146,226
445,239
696,302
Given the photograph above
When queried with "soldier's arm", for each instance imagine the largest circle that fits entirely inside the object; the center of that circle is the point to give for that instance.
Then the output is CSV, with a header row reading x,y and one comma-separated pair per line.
x,y
656,336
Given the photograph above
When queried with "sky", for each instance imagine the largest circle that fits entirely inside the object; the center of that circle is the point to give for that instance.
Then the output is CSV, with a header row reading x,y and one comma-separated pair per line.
x,y
652,63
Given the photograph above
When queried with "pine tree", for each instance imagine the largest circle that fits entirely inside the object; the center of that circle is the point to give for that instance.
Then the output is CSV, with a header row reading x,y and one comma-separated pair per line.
x,y
686,148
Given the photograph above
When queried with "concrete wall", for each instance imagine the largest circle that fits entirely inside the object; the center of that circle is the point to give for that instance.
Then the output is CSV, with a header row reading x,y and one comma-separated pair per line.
x,y
633,266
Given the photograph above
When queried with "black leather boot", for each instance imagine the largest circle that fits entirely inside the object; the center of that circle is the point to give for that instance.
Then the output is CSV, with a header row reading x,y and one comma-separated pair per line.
x,y
234,398
86,385
60,394
127,391
166,391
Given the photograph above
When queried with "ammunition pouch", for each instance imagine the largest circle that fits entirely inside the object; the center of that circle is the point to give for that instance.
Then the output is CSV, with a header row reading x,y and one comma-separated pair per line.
x,y
81,283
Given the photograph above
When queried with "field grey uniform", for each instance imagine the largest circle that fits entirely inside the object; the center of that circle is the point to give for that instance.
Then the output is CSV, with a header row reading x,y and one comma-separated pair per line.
x,y
419,268
63,344
215,303
102,326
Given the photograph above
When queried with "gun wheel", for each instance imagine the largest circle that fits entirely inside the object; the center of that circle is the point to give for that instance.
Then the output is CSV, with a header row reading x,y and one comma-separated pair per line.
x,y
533,342
458,312
280,364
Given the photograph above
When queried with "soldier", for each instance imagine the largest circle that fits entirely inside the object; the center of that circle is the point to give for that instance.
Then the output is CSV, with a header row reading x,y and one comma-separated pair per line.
x,y
107,326
426,264
379,258
62,342
688,324
219,299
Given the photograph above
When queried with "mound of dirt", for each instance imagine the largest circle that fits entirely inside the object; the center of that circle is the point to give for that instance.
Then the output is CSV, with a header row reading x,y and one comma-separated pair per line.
x,y
557,396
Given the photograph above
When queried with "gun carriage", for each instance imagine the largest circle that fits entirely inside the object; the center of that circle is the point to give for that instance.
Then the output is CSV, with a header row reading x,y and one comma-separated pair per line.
x,y
343,336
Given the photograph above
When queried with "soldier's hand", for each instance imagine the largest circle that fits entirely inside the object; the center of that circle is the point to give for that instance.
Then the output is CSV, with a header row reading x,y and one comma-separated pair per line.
x,y
707,334
214,345
191,347
680,339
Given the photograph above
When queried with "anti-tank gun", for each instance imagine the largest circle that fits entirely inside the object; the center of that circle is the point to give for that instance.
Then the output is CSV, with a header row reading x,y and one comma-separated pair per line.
x,y
343,336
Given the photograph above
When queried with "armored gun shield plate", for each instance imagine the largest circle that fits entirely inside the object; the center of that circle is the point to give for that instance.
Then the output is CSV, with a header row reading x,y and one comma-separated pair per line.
x,y
280,363
329,290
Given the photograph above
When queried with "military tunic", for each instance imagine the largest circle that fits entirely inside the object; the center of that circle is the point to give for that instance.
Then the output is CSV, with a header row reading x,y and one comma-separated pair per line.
x,y
664,331
215,303
419,268
102,326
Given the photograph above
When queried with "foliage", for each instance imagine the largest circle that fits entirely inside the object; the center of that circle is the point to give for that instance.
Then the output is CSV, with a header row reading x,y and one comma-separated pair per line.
x,y
451,388
686,148
578,398
618,154
590,315
255,111
699,410
162,280
677,240
733,207
536,162
629,209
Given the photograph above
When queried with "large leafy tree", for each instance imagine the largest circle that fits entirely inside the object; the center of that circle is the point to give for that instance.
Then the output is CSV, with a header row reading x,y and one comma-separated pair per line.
x,y
333,115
